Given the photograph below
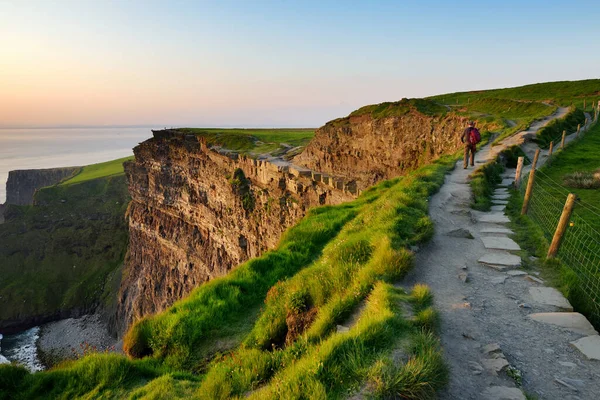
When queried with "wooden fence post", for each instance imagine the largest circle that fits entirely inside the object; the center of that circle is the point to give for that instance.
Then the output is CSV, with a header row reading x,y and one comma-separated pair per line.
x,y
529,190
578,129
518,172
562,226
550,151
562,143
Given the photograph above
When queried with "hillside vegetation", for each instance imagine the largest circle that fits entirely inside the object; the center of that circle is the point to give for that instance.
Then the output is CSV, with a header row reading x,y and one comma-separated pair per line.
x,y
573,170
273,321
61,255
254,142
95,171
319,316
562,93
516,108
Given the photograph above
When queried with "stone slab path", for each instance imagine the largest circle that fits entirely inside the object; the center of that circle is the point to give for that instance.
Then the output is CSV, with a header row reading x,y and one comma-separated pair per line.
x,y
492,309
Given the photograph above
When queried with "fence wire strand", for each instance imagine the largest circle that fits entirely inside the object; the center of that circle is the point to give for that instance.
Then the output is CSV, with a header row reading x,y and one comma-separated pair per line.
x,y
580,247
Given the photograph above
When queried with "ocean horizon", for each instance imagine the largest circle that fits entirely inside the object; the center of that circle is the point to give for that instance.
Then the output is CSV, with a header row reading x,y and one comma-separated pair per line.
x,y
36,148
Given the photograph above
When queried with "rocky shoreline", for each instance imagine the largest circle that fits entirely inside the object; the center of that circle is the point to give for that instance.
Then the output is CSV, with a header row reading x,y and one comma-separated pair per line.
x,y
74,337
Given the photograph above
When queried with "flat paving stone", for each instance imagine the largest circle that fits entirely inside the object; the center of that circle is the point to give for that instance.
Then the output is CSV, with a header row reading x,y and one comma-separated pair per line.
x,y
501,191
500,196
503,393
550,297
499,201
494,218
516,272
499,243
572,321
502,260
499,230
499,207
506,182
589,346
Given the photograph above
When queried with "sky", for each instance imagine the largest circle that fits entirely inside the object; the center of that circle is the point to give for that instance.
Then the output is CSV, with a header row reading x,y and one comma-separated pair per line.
x,y
273,63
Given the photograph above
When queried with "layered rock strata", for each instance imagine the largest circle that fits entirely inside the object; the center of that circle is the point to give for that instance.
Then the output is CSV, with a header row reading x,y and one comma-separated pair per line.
x,y
195,214
367,149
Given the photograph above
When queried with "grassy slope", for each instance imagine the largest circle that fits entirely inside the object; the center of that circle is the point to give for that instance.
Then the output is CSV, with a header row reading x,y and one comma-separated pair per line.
x,y
559,93
58,255
100,170
525,104
583,155
254,141
335,259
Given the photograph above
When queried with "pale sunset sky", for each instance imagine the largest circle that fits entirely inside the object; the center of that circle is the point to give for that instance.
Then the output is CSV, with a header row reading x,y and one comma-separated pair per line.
x,y
273,63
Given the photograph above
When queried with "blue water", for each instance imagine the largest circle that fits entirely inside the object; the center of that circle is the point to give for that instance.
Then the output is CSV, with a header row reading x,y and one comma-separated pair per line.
x,y
20,348
50,148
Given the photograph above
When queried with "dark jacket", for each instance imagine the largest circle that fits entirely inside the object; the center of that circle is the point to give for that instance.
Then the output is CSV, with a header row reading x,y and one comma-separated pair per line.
x,y
466,136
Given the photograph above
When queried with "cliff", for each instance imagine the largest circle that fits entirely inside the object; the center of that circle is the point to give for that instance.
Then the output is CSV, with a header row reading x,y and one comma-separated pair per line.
x,y
385,140
22,184
62,256
195,214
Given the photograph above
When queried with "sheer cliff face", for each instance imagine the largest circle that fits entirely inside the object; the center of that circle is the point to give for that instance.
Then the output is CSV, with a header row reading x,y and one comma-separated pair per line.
x,y
22,184
369,150
195,214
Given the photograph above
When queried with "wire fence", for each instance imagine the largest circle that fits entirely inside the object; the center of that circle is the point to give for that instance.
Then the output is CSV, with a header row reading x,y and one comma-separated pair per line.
x,y
580,247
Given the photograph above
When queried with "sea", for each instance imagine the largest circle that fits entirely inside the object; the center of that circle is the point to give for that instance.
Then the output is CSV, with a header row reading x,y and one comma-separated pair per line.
x,y
64,147
51,148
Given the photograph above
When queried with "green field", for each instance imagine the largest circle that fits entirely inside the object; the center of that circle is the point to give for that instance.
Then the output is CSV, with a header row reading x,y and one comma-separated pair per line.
x,y
95,171
575,270
562,93
254,142
268,329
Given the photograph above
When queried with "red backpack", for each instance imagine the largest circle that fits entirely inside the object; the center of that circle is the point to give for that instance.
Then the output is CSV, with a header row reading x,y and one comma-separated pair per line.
x,y
474,136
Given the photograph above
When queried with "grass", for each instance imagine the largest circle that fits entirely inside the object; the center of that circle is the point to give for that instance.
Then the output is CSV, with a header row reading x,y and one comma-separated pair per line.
x,y
580,156
563,93
553,131
482,182
325,268
57,255
399,108
63,254
95,171
254,142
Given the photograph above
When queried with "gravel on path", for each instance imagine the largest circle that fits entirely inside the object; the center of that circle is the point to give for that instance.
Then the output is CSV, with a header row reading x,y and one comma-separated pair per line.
x,y
490,311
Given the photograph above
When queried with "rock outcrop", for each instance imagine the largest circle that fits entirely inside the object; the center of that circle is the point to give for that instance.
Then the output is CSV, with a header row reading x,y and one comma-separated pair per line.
x,y
22,184
198,212
195,214
368,149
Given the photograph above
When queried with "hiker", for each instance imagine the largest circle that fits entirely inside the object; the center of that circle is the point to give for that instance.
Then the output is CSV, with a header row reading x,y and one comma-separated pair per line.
x,y
470,138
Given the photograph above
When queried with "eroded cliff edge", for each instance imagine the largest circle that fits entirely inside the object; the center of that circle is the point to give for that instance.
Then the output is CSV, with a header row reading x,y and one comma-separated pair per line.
x,y
384,141
195,214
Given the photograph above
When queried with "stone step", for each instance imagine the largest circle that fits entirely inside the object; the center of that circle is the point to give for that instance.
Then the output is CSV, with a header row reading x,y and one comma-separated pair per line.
x,y
589,346
498,207
494,218
500,196
516,272
500,243
501,261
572,321
550,297
506,182
498,230
499,201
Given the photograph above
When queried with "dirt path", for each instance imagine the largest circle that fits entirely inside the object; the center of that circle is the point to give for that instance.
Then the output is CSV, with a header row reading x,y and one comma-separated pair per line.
x,y
485,321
